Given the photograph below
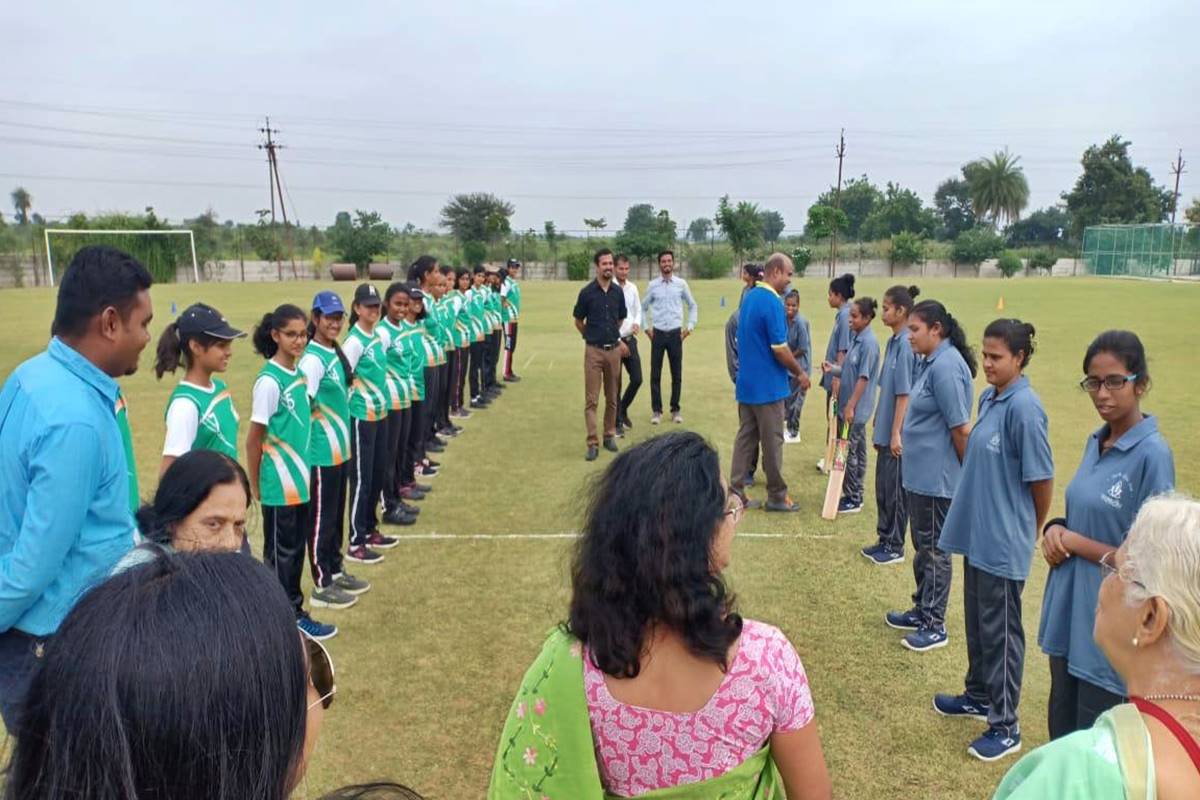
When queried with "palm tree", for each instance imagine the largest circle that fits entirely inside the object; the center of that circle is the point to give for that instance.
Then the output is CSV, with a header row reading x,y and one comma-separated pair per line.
x,y
997,187
22,201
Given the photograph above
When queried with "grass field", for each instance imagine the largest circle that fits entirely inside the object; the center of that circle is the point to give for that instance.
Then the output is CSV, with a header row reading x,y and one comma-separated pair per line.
x,y
428,661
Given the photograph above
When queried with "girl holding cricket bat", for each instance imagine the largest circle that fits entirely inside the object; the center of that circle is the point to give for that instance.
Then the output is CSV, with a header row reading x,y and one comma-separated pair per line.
x,y
841,292
934,435
859,375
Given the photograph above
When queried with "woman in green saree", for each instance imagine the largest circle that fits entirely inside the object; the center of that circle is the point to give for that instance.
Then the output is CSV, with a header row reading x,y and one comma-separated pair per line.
x,y
655,687
1148,625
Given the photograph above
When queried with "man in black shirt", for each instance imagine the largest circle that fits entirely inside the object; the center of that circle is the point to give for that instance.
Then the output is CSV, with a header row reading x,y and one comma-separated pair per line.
x,y
598,314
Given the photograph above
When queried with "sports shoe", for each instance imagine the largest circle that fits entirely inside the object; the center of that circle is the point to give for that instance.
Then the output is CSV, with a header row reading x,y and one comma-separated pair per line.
x,y
381,542
398,516
331,597
313,629
791,436
363,555
820,465
959,705
903,620
425,471
451,432
655,419
424,488
882,557
456,428
592,454
925,638
480,403
350,584
677,418
411,492
626,421
620,431
429,462
513,378
995,744
610,444
411,510
435,447
848,506
461,413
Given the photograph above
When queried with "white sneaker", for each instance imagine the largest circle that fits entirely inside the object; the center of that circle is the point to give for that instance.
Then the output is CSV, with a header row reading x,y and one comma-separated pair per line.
x,y
821,465
790,438
657,418
677,419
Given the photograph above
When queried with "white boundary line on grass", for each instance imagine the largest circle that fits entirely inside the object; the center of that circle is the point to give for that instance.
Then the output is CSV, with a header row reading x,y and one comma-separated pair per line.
x,y
435,536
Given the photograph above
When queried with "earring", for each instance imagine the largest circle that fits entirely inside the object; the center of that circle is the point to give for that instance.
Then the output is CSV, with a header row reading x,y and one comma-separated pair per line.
x,y
1135,641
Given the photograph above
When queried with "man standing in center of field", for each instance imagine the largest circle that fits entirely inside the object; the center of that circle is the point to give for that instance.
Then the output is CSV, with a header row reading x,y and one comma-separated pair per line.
x,y
666,327
764,363
599,311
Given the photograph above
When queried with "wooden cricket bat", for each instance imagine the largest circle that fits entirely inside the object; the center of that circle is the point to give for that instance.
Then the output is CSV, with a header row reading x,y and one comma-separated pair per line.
x,y
837,473
831,423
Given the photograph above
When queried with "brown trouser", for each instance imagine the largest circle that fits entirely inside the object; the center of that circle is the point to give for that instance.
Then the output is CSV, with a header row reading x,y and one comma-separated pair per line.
x,y
601,367
760,425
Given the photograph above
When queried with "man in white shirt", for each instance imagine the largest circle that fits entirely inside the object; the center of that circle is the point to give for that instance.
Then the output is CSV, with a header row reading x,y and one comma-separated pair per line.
x,y
630,327
667,324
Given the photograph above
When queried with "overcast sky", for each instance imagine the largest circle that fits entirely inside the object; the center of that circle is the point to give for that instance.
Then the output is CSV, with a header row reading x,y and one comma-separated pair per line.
x,y
572,109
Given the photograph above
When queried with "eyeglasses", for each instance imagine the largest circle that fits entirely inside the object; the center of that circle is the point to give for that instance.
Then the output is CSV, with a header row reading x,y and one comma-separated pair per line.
x,y
1109,567
320,672
1111,382
736,508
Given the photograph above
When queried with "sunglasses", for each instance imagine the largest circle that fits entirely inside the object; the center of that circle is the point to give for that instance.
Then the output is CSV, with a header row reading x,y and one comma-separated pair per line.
x,y
320,672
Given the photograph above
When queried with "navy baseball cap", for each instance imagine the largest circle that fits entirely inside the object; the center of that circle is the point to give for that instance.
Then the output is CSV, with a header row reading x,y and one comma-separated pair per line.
x,y
514,262
367,295
199,318
328,302
414,291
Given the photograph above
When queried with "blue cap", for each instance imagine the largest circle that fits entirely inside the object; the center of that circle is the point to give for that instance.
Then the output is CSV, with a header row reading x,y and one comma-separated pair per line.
x,y
327,302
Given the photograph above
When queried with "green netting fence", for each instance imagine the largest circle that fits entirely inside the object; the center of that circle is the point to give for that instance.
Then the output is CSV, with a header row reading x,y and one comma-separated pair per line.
x,y
1161,250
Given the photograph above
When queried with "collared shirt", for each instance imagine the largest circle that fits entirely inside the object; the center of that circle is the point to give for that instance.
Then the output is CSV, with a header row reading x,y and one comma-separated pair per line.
x,y
602,311
862,361
799,338
839,342
895,380
762,328
1102,500
633,308
940,401
665,298
992,520
64,487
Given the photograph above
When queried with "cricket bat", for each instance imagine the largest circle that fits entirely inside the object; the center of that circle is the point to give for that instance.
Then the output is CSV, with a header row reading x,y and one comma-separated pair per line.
x,y
831,423
837,473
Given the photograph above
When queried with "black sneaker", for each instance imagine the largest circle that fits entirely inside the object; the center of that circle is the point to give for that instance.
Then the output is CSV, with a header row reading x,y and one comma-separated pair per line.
x,y
480,403
593,453
436,447
363,555
610,444
409,509
350,584
396,516
451,432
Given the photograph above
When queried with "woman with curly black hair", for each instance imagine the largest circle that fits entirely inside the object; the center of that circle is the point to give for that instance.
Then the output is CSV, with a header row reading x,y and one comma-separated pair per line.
x,y
655,681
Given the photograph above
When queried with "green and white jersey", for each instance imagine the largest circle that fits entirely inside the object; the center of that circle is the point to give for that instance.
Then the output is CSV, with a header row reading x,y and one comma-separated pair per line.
x,y
434,354
329,443
370,399
121,412
511,292
415,354
281,404
495,313
200,418
475,314
445,317
460,319
399,387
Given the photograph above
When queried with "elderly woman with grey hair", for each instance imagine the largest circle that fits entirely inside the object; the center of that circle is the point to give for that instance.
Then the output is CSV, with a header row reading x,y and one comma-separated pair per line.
x,y
1148,625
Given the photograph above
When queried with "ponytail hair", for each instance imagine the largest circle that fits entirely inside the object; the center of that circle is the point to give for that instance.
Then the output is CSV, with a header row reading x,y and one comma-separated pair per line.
x,y
902,296
337,348
271,321
1126,347
866,306
933,313
1016,335
843,286
173,352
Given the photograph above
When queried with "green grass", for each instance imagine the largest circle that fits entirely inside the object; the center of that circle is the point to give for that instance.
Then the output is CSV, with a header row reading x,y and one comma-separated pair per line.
x,y
428,661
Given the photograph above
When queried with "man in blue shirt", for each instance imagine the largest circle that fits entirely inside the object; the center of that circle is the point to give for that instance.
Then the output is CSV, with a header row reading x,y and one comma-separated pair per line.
x,y
663,309
65,519
764,364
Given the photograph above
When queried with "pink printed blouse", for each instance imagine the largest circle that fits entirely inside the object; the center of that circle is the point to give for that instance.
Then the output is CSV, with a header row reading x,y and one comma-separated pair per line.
x,y
640,749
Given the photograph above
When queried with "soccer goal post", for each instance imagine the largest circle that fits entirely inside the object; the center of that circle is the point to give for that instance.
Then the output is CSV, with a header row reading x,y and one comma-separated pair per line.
x,y
157,260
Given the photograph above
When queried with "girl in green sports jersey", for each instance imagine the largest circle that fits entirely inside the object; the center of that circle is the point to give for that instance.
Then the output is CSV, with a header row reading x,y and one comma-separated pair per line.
x,y
370,404
327,376
399,422
277,453
463,339
417,351
200,413
478,350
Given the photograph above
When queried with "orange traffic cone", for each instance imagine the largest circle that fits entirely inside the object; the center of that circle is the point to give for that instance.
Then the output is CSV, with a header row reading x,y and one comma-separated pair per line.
x,y
1000,303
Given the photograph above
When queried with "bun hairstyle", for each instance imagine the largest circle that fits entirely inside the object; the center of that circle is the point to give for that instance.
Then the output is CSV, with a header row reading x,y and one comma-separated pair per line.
x,y
420,268
271,321
933,313
1016,335
173,352
902,296
866,306
843,286
1124,346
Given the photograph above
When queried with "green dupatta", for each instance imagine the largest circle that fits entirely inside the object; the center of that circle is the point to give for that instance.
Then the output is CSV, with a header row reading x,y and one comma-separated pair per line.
x,y
546,750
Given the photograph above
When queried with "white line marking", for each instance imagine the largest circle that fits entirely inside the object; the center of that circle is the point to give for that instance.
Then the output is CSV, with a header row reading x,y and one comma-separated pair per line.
x,y
529,361
434,536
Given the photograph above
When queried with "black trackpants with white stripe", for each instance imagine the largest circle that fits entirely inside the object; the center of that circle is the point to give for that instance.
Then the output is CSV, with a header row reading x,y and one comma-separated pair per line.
x,y
368,467
995,644
326,522
932,567
283,548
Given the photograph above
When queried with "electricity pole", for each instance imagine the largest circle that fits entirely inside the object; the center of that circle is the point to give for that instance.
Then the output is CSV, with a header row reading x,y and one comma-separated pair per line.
x,y
837,203
1177,169
276,187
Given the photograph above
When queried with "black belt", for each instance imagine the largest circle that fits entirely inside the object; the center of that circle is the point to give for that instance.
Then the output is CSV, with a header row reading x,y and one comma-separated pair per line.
x,y
612,346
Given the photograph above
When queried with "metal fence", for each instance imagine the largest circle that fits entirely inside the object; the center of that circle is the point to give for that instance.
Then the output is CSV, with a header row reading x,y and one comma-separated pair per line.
x,y
1152,250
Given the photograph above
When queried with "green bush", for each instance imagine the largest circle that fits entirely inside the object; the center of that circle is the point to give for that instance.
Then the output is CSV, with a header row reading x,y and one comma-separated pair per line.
x,y
907,248
1042,259
474,253
975,246
801,258
579,265
1009,263
710,264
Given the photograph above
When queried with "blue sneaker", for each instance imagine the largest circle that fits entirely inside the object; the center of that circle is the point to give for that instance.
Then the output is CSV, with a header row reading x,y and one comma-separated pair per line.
x,y
313,629
870,551
959,705
883,557
995,744
848,506
925,638
903,620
